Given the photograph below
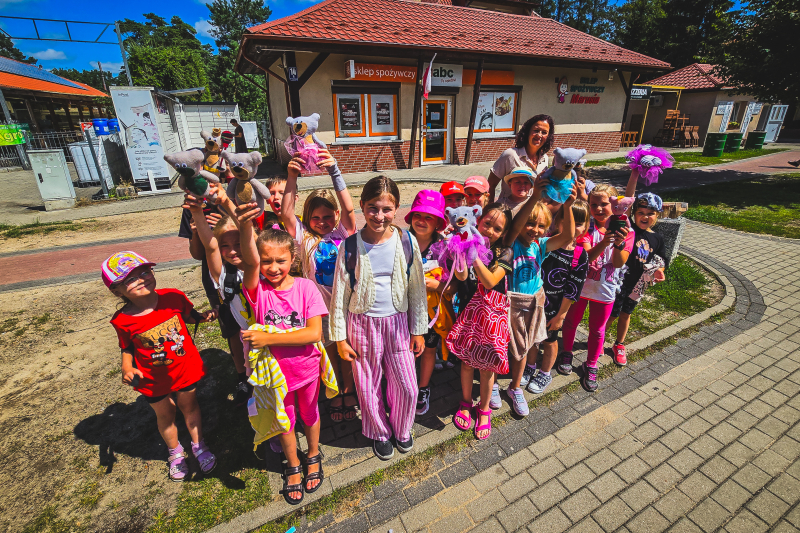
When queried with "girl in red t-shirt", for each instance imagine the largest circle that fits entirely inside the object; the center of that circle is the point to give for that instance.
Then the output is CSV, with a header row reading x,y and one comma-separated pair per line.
x,y
151,327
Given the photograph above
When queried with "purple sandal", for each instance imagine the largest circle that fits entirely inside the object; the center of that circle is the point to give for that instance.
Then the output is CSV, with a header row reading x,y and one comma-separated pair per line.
x,y
177,466
459,420
487,425
204,457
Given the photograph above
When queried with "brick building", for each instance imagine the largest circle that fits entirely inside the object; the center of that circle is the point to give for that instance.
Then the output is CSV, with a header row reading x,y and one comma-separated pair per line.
x,y
358,65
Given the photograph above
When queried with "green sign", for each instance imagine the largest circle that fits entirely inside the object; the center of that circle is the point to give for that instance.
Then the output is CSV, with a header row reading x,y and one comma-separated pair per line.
x,y
11,134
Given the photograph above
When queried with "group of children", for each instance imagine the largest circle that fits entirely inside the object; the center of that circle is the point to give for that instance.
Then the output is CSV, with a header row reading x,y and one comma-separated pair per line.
x,y
375,295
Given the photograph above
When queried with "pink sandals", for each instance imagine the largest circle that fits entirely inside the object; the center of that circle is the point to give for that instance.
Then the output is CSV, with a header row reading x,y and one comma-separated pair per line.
x,y
487,425
459,420
177,465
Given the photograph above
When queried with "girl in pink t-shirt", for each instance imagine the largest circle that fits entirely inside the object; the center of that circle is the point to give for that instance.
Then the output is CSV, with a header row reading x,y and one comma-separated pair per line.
x,y
607,254
286,302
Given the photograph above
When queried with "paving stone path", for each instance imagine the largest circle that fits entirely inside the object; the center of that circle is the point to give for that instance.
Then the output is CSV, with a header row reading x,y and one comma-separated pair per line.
x,y
703,436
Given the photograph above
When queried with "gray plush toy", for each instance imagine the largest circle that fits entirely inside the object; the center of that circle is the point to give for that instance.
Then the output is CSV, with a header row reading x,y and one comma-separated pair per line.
x,y
562,174
193,179
244,188
303,142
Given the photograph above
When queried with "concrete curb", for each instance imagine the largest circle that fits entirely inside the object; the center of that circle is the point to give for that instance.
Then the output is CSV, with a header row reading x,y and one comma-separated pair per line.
x,y
279,508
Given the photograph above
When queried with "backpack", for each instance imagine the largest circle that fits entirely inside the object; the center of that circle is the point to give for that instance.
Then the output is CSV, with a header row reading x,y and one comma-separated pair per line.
x,y
231,286
351,254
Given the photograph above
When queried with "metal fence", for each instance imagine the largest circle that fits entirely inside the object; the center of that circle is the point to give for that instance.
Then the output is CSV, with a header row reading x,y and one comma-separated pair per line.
x,y
59,139
9,157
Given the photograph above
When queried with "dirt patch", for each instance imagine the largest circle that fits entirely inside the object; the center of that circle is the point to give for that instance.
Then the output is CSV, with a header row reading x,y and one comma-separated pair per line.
x,y
72,435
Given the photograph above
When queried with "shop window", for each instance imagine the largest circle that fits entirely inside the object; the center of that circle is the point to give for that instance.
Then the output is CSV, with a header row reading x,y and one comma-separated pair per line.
x,y
365,116
497,113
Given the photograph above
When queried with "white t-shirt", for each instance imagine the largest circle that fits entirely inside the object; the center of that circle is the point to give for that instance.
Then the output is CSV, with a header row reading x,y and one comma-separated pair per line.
x,y
239,306
319,257
508,161
381,259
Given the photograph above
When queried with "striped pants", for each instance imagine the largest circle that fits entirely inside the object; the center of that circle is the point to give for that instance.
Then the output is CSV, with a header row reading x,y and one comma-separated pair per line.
x,y
382,345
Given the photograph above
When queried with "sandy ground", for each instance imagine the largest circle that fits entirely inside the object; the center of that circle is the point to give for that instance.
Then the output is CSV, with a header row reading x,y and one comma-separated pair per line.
x,y
140,225
71,434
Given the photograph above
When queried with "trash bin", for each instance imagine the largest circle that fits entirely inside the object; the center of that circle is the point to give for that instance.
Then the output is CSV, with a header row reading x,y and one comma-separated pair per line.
x,y
113,125
734,142
715,143
755,140
100,126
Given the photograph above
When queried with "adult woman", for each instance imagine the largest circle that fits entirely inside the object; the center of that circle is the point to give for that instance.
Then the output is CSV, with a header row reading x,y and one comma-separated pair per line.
x,y
533,141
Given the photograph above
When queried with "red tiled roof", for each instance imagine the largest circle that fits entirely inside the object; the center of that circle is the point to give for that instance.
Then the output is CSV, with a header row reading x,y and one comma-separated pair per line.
x,y
13,81
447,28
694,76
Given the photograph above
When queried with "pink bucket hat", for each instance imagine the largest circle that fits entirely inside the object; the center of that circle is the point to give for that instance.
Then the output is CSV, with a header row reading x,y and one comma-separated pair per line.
x,y
479,183
430,202
118,266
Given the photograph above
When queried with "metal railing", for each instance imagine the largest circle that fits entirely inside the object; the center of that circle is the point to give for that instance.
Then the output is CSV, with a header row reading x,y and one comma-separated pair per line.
x,y
9,157
59,139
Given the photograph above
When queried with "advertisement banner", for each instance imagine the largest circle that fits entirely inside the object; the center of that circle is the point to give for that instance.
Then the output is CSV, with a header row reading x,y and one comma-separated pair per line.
x,y
640,92
11,134
136,113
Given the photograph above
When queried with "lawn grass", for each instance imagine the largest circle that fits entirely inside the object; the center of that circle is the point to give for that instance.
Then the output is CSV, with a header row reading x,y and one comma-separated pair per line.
x,y
766,204
12,231
695,159
683,293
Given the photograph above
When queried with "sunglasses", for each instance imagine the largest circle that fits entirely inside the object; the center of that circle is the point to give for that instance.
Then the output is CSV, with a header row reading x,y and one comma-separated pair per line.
x,y
132,278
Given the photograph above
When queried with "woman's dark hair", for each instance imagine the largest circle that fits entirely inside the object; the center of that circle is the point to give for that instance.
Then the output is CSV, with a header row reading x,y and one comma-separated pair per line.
x,y
525,133
380,186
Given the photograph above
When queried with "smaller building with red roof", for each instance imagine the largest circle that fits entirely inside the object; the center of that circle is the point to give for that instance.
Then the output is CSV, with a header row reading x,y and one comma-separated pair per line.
x,y
360,66
707,101
44,101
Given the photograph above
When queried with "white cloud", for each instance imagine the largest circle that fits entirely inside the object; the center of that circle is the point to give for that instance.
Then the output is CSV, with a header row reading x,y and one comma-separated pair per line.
x,y
109,66
49,54
203,27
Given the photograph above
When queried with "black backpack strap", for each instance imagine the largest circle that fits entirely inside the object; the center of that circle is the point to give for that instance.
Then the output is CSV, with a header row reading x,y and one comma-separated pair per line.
x,y
230,283
351,257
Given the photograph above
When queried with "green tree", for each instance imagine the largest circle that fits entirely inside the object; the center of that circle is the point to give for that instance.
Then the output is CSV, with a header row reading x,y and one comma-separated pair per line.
x,y
638,26
92,78
7,49
757,59
229,19
164,54
693,30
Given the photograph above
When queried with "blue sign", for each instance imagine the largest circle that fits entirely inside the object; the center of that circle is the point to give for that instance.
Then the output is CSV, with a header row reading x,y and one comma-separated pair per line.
x,y
292,73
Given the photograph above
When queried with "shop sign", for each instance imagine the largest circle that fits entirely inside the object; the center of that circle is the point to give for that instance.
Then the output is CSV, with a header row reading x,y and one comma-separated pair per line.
x,y
641,92
563,88
11,134
587,85
441,75
578,99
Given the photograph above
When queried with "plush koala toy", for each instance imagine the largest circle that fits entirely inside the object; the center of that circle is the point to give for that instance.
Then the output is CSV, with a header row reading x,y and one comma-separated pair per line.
x,y
212,149
464,220
303,142
193,179
561,174
244,187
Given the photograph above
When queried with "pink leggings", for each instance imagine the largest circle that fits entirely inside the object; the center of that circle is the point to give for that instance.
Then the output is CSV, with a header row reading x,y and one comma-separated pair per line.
x,y
304,400
598,316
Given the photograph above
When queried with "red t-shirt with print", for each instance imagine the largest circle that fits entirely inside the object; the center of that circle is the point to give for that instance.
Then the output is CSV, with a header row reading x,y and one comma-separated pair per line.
x,y
161,344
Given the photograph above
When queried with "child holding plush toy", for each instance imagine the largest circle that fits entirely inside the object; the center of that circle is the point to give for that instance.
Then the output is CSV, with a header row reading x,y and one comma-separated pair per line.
x,y
426,219
322,229
646,264
379,315
608,248
480,335
526,296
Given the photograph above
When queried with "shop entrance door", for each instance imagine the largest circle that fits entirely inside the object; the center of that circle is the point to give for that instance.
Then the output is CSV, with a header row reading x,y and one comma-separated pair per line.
x,y
776,115
437,129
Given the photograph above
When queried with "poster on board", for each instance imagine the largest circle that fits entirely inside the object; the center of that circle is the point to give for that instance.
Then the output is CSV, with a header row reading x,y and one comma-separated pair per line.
x,y
250,130
349,114
382,115
504,111
484,117
136,113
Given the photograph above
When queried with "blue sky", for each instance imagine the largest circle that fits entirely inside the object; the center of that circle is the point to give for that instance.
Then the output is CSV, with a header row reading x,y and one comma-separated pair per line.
x,y
53,54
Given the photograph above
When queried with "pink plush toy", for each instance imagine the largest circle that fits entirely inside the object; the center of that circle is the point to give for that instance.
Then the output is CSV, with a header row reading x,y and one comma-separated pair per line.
x,y
620,205
650,161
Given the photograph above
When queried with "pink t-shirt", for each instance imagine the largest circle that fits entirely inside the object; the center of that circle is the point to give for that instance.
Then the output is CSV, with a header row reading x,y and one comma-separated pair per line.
x,y
602,278
286,309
